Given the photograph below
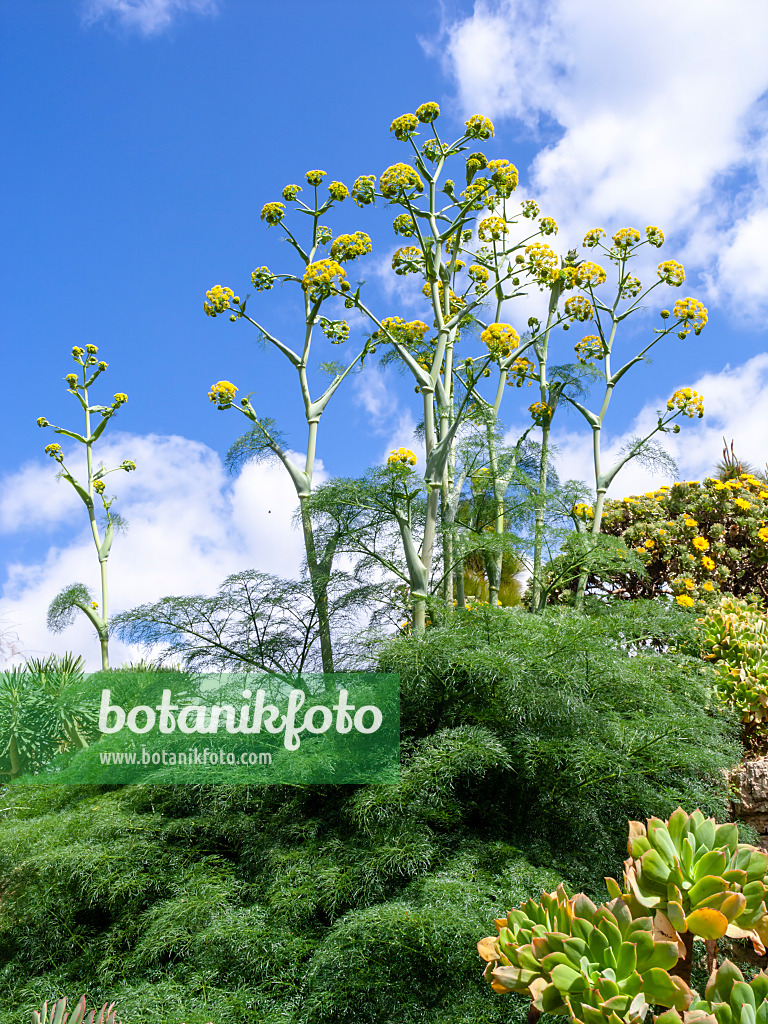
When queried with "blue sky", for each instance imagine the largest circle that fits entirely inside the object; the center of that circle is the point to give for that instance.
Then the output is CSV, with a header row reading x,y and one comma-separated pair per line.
x,y
143,138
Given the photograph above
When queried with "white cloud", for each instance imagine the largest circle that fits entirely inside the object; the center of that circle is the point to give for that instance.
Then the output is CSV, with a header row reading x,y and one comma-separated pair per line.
x,y
190,525
736,408
146,16
660,112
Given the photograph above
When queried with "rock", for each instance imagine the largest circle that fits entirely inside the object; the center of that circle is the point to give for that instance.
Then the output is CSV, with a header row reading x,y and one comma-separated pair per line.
x,y
749,802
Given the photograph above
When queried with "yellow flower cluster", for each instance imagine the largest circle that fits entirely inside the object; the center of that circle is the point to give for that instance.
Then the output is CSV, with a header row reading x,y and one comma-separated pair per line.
x,y
477,273
290,192
219,299
625,238
321,278
428,112
578,308
583,511
222,392
491,229
402,331
401,457
349,247
548,226
273,213
685,600
692,312
364,189
479,127
672,273
98,486
541,259
71,379
404,127
127,465
589,275
120,398
477,194
262,279
530,209
54,450
520,372
338,191
408,259
315,177
404,225
504,177
434,150
630,287
655,236
590,347
592,238
399,178
541,413
687,401
336,330
500,339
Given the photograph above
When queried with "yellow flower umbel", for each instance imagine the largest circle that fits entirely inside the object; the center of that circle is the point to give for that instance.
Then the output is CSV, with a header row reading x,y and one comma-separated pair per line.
x,y
338,191
492,229
500,340
349,247
322,278
625,238
398,179
687,401
578,308
401,457
672,273
408,259
364,189
315,178
272,213
541,413
693,314
404,127
222,392
590,347
655,236
589,275
219,299
428,112
592,238
479,127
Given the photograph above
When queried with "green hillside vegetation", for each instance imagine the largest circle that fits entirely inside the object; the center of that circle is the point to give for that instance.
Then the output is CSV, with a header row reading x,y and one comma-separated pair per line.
x,y
527,743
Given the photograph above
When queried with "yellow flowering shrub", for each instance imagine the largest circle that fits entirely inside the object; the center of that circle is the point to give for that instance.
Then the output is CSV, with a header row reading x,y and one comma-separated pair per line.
x,y
702,532
734,640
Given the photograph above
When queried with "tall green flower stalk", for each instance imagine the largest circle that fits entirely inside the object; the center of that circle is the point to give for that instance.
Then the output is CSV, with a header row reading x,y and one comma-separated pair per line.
x,y
76,595
321,279
438,219
597,349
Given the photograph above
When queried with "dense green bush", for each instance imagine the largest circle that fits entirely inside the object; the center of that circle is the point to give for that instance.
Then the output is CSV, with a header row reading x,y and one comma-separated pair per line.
x,y
527,743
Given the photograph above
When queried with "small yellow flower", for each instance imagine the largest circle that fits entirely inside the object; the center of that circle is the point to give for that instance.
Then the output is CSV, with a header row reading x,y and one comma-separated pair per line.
x,y
54,450
700,543
709,587
763,535
650,544
689,584
692,523
120,398
685,600
742,504
707,562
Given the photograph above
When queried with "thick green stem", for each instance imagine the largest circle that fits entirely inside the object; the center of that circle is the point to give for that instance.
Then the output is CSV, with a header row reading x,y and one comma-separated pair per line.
x,y
538,538
319,583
